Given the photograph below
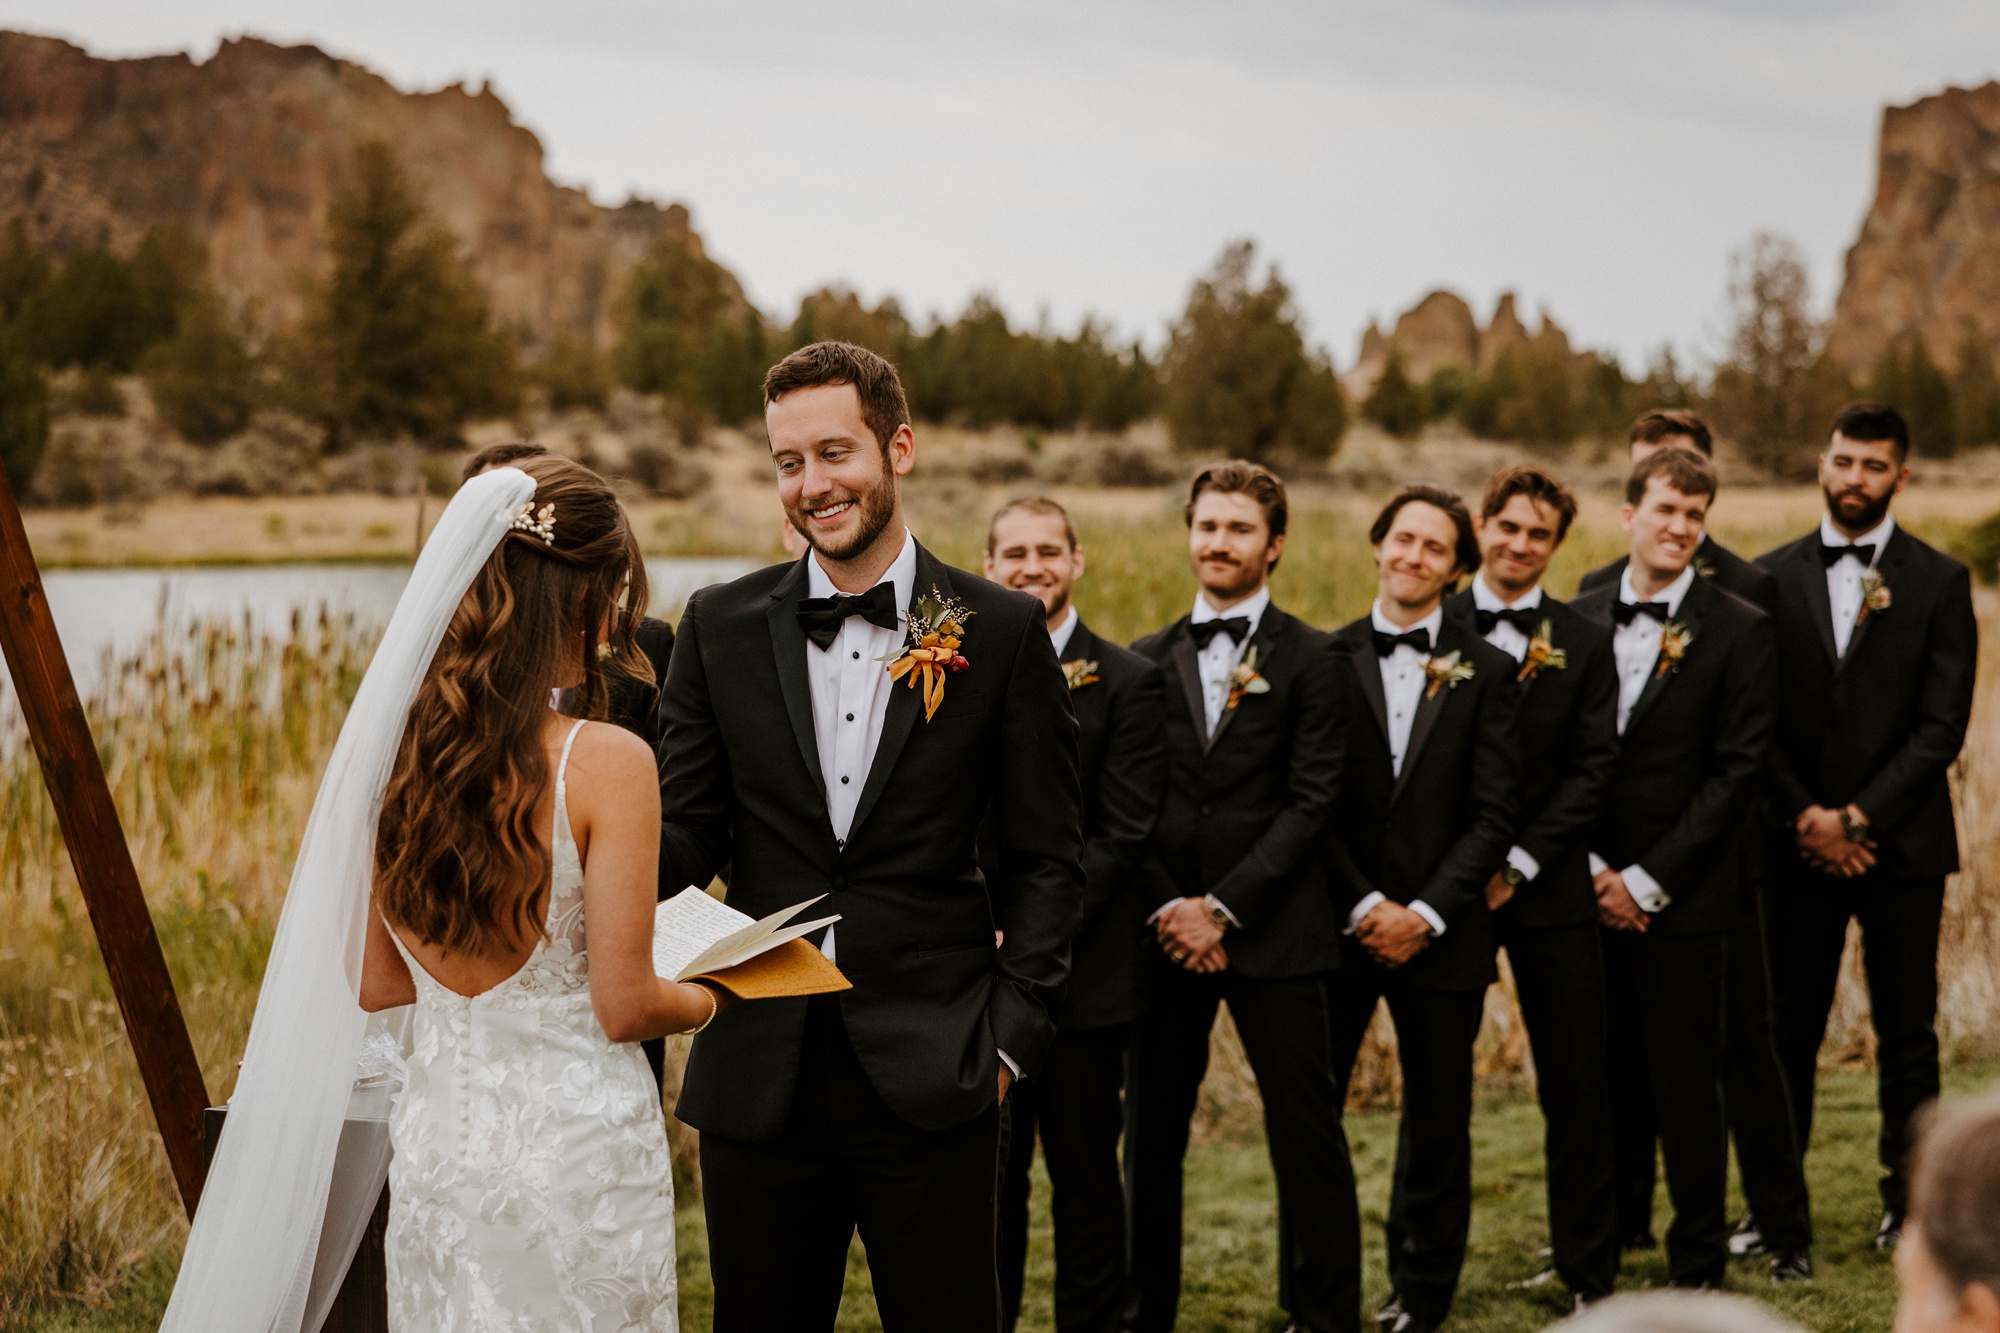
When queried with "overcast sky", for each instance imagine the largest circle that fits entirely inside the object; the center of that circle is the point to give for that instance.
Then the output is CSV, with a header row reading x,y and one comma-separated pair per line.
x,y
1601,159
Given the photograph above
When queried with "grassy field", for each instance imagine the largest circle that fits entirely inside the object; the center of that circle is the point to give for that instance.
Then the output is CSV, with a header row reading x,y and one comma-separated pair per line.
x,y
213,738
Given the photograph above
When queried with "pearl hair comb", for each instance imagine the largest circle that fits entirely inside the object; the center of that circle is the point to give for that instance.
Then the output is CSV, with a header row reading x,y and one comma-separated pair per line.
x,y
541,525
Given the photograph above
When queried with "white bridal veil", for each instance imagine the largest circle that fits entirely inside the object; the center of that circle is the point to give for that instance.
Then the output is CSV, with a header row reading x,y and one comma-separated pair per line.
x,y
249,1258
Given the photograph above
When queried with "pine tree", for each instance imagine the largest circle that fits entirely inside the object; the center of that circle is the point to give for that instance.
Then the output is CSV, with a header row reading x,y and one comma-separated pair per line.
x,y
1396,404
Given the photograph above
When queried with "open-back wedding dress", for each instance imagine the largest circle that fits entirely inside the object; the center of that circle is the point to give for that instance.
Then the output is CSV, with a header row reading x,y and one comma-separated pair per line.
x,y
531,1187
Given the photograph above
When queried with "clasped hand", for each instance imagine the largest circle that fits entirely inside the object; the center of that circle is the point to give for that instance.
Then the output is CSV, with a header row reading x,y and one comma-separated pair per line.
x,y
1823,842
1393,934
1190,937
1616,907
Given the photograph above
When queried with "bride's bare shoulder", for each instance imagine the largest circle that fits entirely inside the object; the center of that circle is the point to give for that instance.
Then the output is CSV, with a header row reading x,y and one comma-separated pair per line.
x,y
607,758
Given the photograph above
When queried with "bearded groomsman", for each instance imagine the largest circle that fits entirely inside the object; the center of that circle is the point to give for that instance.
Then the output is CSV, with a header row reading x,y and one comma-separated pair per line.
x,y
1696,696
1544,909
791,751
1877,644
1074,1102
1778,1221
1423,820
1240,910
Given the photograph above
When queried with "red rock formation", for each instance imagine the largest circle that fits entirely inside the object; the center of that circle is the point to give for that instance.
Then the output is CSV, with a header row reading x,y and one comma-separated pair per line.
x,y
1928,257
248,147
1439,331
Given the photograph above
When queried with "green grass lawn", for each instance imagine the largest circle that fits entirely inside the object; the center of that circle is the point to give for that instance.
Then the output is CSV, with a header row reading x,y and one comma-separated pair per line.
x,y
1230,1269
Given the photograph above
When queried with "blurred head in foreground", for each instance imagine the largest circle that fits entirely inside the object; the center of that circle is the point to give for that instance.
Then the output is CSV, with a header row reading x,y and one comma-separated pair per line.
x,y
1679,1312
1948,1262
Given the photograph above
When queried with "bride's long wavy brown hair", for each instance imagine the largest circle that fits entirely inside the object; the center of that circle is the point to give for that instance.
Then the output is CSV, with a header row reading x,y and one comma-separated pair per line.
x,y
459,860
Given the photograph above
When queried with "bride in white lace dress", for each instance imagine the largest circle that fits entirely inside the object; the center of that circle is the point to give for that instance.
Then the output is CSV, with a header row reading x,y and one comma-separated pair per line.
x,y
515,875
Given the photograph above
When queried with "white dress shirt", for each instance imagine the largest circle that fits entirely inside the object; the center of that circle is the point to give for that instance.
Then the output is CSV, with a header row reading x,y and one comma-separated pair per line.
x,y
1402,690
1509,639
1843,579
1060,635
1223,654
1636,647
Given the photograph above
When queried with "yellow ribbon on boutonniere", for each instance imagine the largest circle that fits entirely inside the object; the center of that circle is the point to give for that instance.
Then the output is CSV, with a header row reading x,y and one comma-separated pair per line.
x,y
1245,680
1079,673
1875,597
936,626
1675,636
1542,653
1446,673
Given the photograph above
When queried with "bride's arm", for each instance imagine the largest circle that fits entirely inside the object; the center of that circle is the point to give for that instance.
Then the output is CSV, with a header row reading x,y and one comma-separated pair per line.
x,y
614,811
385,977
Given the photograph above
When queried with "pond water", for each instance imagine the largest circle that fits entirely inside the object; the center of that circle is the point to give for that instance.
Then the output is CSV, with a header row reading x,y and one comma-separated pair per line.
x,y
115,609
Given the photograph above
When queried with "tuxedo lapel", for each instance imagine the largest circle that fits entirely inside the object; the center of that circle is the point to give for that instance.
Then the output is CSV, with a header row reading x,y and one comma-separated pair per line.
x,y
1190,673
1265,641
1368,668
1890,566
1812,574
788,645
905,699
1429,704
1692,607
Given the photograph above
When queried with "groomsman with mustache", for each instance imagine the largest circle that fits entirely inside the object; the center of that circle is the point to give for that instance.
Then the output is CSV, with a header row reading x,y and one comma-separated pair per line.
x,y
1118,696
1239,908
1424,818
1696,696
1544,908
1878,647
1778,1220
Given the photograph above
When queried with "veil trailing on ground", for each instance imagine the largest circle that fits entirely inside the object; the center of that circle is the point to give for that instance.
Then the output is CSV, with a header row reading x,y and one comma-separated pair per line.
x,y
249,1259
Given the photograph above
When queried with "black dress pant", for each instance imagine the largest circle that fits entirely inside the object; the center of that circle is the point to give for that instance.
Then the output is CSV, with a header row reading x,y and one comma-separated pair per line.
x,y
1666,1002
1559,977
1430,1200
1073,1101
1283,1023
781,1215
1899,938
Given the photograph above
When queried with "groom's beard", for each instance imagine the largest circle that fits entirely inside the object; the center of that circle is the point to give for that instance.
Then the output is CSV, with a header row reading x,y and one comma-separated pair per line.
x,y
876,505
1856,509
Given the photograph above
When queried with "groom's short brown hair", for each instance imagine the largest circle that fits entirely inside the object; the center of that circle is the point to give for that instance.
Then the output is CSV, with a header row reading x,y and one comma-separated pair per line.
x,y
876,384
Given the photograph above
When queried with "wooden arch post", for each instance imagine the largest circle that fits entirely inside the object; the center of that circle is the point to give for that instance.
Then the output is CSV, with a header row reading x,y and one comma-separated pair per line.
x,y
74,776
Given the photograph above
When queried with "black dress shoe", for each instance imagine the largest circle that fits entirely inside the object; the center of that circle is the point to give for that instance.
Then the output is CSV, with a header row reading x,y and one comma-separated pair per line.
x,y
1390,1313
1791,1268
1890,1233
1747,1239
1639,1240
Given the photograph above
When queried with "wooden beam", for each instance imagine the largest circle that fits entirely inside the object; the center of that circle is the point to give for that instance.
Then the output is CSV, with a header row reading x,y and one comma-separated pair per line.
x,y
96,840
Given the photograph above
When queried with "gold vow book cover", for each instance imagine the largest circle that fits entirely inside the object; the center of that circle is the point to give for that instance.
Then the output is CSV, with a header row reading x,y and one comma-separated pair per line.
x,y
793,968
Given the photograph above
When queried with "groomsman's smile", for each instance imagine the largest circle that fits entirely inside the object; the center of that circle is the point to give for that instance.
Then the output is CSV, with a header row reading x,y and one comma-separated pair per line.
x,y
1666,528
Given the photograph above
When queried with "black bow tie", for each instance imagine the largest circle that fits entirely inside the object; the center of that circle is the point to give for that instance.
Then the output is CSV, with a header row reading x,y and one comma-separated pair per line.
x,y
1831,555
1204,631
821,617
1419,639
1522,618
1623,612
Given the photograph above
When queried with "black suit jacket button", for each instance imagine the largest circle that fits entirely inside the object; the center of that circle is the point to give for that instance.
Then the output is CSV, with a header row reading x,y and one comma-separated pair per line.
x,y
840,881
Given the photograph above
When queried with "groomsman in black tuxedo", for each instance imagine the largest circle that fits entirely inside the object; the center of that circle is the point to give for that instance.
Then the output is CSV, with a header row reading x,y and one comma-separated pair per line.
x,y
1877,645
1544,909
1074,1102
1423,820
1239,908
1778,1221
1696,697
791,751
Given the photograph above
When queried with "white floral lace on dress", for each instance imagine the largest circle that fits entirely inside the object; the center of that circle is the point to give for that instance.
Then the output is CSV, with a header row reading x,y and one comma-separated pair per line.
x,y
531,1189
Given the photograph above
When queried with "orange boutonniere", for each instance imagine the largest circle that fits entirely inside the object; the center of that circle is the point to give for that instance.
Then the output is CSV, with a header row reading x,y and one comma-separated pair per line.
x,y
1875,597
1446,673
1674,640
936,626
1245,680
1542,653
1079,673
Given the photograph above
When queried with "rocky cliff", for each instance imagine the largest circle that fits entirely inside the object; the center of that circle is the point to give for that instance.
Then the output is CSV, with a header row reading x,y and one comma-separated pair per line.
x,y
1928,257
248,147
1437,332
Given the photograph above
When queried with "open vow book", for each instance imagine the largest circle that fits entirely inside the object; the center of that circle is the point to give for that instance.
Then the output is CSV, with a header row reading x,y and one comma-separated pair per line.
x,y
697,938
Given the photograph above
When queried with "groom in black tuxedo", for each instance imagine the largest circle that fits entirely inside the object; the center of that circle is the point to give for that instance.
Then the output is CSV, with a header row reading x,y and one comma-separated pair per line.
x,y
1878,647
1544,909
1074,1102
1429,777
1697,688
1760,1104
1239,908
790,752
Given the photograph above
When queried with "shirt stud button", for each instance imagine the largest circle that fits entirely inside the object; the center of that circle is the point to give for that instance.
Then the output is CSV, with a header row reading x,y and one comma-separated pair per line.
x,y
843,782
857,657
850,717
